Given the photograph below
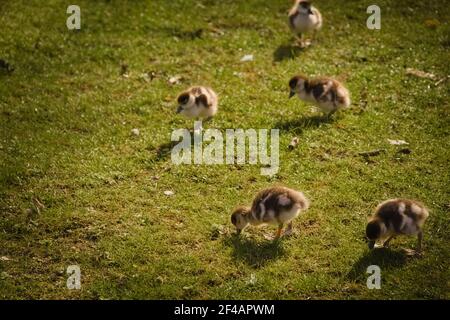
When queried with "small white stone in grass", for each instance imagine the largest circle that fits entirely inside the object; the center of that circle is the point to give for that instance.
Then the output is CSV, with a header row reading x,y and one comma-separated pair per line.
x,y
144,76
294,143
160,279
268,236
179,225
397,142
420,74
218,230
5,258
175,79
247,57
252,280
135,131
169,193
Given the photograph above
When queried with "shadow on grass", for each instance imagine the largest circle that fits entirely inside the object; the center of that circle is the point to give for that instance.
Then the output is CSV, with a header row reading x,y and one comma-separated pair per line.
x,y
163,150
177,32
5,68
284,52
298,125
255,253
183,34
385,258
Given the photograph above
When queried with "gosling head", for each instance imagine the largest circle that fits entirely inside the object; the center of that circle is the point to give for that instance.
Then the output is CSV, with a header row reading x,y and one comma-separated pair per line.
x,y
239,218
304,7
297,85
375,230
186,101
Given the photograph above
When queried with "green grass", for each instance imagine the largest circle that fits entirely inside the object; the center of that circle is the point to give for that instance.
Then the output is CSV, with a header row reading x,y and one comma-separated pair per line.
x,y
66,116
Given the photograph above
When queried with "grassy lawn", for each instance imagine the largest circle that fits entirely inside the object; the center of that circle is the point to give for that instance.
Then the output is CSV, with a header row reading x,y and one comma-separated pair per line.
x,y
66,116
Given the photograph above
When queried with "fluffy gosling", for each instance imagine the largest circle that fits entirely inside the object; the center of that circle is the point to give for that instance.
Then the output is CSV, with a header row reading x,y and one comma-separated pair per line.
x,y
397,217
304,18
328,94
276,205
198,102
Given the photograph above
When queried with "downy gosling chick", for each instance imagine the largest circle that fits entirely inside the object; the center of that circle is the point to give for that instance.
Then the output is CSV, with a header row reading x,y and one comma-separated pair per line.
x,y
304,18
397,217
328,94
198,102
276,205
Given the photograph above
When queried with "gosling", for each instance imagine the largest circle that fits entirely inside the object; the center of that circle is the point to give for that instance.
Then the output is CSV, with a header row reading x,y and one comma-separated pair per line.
x,y
304,18
198,102
397,217
276,205
327,94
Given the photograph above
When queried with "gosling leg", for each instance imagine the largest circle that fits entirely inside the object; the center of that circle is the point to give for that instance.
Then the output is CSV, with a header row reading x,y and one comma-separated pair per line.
x,y
386,243
419,241
289,230
278,234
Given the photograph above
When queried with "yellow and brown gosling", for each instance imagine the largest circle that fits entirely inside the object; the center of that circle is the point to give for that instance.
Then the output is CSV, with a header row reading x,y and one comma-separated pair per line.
x,y
304,18
198,102
276,205
326,93
397,217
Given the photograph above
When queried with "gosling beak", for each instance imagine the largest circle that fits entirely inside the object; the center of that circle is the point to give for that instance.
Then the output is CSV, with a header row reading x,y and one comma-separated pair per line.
x,y
371,244
291,94
179,109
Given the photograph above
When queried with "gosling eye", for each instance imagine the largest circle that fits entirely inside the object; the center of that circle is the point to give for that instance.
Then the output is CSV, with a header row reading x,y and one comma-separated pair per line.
x,y
183,99
292,83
